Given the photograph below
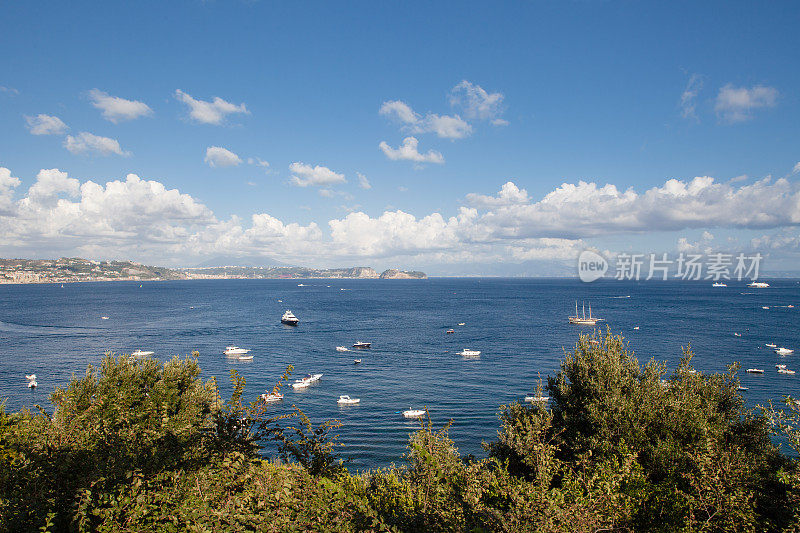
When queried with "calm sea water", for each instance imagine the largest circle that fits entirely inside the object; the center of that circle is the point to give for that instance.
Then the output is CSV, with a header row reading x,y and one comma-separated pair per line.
x,y
519,325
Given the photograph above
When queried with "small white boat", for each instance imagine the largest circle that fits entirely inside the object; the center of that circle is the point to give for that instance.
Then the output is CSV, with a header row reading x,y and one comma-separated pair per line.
x,y
462,324
450,331
468,352
764,307
758,285
771,345
636,327
289,319
342,349
33,384
783,351
414,413
755,371
235,350
741,387
103,318
785,371
302,383
536,398
360,344
141,353
719,284
737,334
245,358
272,397
347,400
30,377
300,285
356,361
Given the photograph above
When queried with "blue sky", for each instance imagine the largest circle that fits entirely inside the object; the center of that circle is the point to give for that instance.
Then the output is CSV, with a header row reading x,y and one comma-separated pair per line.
x,y
539,94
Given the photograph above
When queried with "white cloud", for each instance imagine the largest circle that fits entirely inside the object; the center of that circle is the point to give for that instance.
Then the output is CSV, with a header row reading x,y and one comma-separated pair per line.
x,y
45,125
213,112
499,122
258,162
586,209
363,182
217,156
796,169
400,111
304,175
408,152
736,104
142,219
509,194
445,126
689,97
7,185
116,109
9,90
87,143
476,103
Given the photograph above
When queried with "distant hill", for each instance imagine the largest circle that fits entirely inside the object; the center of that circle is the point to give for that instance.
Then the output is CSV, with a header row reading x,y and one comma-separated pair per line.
x,y
72,269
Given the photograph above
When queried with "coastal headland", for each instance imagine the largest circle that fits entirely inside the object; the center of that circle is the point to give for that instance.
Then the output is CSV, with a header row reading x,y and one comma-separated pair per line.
x,y
76,269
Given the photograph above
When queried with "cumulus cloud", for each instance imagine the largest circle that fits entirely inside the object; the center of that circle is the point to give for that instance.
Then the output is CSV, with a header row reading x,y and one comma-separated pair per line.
x,y
217,156
689,96
476,103
363,182
213,112
139,218
7,185
796,169
736,104
116,109
9,90
509,194
304,175
408,152
449,127
87,143
586,209
45,125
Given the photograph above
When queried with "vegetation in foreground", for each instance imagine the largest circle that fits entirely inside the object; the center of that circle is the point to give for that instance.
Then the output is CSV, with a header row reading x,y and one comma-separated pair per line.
x,y
141,446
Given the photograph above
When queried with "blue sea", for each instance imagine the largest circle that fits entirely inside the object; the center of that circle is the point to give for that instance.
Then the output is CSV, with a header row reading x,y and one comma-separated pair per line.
x,y
519,325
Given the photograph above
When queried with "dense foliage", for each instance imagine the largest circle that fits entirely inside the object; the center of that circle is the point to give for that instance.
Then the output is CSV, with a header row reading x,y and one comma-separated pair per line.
x,y
140,446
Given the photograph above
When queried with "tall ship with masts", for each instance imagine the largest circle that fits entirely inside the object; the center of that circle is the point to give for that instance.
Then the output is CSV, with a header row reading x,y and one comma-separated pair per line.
x,y
582,319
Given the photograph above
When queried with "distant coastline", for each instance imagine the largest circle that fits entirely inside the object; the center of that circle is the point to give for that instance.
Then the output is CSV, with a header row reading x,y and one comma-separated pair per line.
x,y
76,269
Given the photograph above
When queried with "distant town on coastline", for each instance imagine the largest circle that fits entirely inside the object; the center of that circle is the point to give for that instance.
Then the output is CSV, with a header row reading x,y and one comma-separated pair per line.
x,y
76,269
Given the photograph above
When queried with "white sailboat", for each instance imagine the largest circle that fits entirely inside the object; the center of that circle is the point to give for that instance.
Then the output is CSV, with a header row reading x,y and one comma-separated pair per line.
x,y
583,320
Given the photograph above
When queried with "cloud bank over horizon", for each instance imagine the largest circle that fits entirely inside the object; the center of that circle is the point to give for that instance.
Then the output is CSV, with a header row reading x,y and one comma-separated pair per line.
x,y
141,219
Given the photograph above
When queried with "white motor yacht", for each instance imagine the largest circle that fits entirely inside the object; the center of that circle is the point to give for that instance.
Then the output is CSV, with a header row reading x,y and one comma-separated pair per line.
x,y
783,351
289,319
272,397
413,413
141,353
347,400
235,350
342,349
360,344
758,285
306,381
755,370
468,352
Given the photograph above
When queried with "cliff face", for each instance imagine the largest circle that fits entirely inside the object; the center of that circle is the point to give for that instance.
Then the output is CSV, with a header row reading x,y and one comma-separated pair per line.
x,y
393,273
362,272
